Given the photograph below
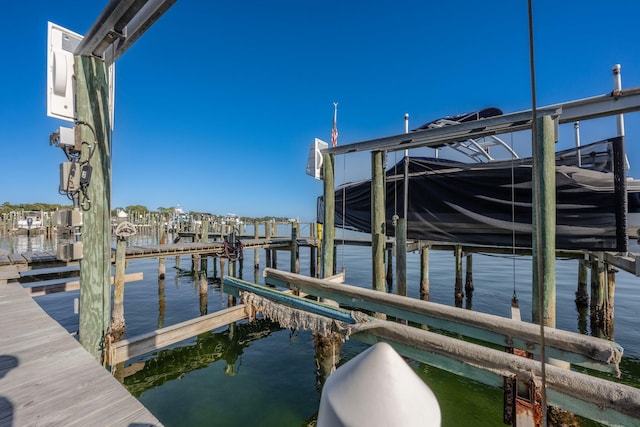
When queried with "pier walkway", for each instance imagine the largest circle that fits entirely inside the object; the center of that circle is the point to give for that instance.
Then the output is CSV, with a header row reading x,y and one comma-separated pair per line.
x,y
47,378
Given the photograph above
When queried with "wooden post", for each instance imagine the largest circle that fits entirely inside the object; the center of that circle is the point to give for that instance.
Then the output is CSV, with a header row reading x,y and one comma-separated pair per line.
x,y
195,264
424,273
92,98
327,349
162,268
205,231
582,295
378,226
319,252
274,258
611,290
459,293
204,292
401,256
389,265
312,252
267,236
161,303
118,325
468,282
256,252
598,290
295,250
544,246
328,253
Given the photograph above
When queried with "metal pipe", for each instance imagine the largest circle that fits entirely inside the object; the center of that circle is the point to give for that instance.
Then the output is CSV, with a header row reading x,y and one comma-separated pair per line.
x,y
617,89
576,129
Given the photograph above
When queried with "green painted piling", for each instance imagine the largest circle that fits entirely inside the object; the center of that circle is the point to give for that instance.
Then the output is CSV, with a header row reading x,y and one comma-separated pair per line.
x,y
328,248
92,101
544,246
377,220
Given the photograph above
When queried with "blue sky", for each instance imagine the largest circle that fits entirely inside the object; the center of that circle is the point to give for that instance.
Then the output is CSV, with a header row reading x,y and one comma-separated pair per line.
x,y
217,104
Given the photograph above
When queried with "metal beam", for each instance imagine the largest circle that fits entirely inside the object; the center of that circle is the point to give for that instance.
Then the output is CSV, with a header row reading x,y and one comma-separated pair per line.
x,y
583,109
119,25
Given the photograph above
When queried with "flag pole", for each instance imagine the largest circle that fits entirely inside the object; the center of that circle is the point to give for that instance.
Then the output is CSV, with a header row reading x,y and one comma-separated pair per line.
x,y
334,128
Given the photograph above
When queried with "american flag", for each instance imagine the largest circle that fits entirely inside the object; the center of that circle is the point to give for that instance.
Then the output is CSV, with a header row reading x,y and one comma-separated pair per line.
x,y
334,128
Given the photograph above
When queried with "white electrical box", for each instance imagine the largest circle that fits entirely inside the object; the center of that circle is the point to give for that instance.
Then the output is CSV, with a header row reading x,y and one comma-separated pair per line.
x,y
61,45
314,162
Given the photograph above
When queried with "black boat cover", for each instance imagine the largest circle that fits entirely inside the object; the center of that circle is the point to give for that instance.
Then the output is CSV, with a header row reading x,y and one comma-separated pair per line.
x,y
491,203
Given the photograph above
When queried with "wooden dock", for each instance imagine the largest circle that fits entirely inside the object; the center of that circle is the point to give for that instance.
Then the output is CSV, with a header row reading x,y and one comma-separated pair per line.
x,y
47,378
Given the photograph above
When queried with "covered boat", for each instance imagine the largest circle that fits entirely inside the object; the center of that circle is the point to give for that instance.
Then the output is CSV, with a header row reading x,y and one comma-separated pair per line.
x,y
490,203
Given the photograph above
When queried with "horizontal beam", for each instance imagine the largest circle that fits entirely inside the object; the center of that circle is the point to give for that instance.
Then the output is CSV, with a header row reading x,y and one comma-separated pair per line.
x,y
67,284
124,350
626,101
120,24
590,352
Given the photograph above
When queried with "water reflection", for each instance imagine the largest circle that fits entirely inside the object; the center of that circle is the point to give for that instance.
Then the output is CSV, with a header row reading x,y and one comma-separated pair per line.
x,y
21,243
208,348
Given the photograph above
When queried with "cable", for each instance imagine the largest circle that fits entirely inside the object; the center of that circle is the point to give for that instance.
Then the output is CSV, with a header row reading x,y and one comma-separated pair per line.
x,y
514,298
538,212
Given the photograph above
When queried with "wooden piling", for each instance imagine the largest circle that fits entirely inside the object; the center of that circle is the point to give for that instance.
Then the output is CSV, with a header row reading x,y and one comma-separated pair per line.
x,y
256,252
389,266
328,253
92,101
204,293
327,349
611,290
118,325
378,232
582,294
458,292
312,252
598,297
267,236
424,273
205,231
468,282
544,246
401,256
295,250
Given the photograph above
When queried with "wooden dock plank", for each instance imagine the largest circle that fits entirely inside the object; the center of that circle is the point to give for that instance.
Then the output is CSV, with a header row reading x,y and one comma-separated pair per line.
x,y
49,379
17,259
4,259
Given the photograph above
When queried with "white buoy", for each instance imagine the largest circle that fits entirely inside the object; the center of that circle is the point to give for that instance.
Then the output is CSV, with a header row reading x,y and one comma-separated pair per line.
x,y
377,388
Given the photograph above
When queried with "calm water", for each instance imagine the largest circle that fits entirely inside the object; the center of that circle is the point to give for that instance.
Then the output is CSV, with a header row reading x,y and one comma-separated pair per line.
x,y
260,374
